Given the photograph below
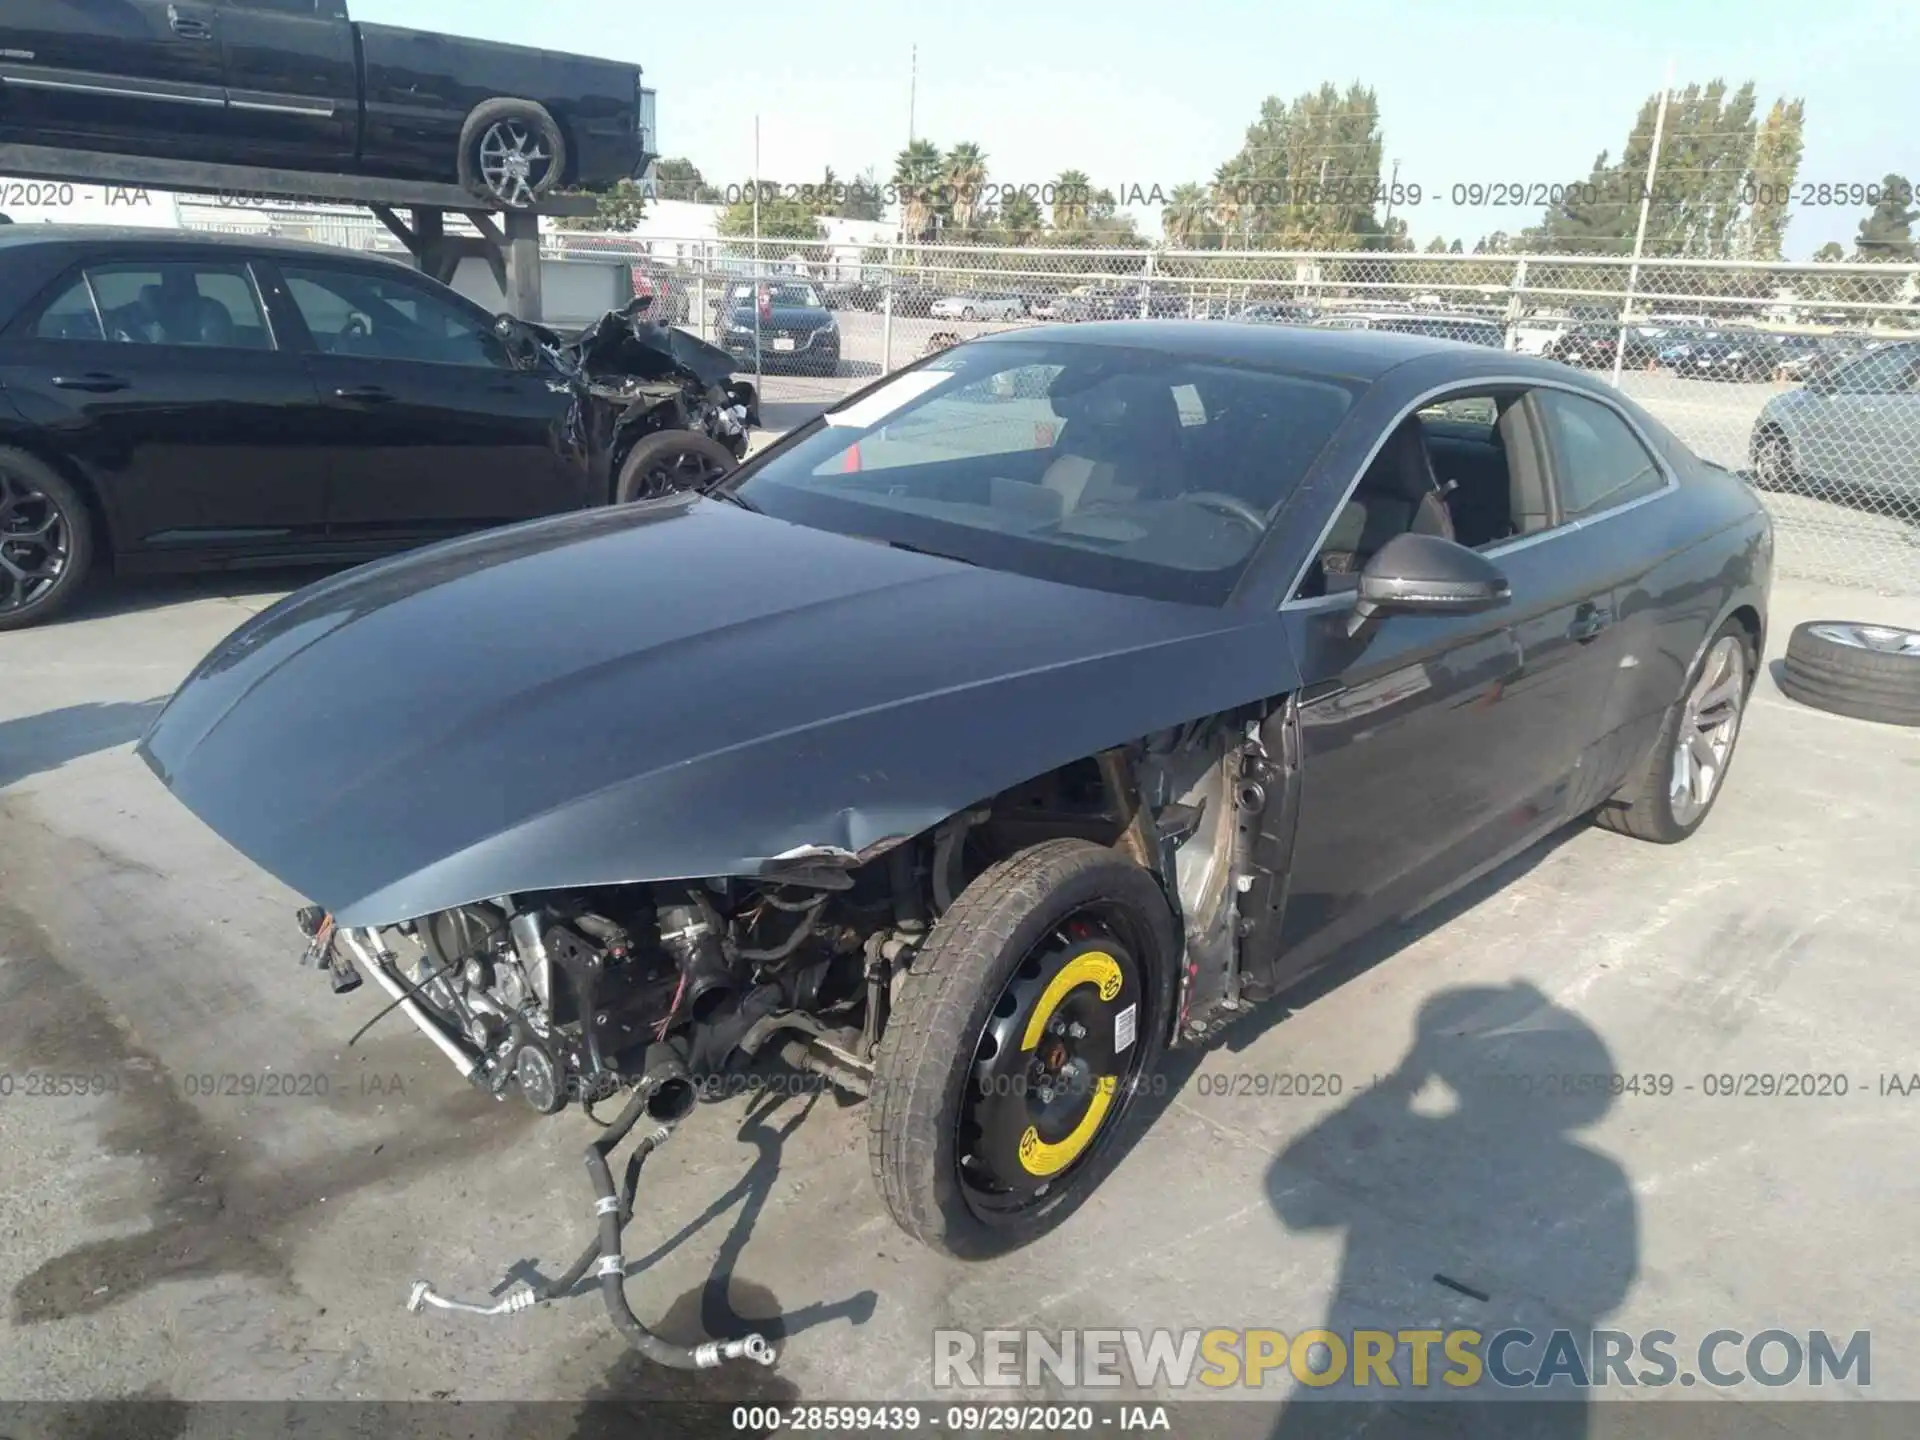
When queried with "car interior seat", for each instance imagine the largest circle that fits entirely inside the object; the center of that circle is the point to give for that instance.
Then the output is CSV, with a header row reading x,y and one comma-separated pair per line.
x,y
1399,494
1121,443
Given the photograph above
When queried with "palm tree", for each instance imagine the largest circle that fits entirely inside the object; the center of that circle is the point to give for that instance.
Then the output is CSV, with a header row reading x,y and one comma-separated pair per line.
x,y
916,170
1185,217
1234,203
1072,194
965,175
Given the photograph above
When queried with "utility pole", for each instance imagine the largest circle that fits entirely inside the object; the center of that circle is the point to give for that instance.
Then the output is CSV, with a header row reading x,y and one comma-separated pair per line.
x,y
1640,231
1392,185
757,266
913,89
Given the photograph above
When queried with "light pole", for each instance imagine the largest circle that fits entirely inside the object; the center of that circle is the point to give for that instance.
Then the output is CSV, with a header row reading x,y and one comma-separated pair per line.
x,y
1640,230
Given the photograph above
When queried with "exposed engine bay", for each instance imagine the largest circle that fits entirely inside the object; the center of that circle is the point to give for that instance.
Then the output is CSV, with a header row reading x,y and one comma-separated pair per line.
x,y
666,989
633,377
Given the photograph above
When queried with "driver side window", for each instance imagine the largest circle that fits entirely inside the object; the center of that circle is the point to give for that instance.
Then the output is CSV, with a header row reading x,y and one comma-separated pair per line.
x,y
378,317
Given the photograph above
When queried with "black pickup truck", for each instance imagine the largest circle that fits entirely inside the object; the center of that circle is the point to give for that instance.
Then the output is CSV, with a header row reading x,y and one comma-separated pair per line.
x,y
297,84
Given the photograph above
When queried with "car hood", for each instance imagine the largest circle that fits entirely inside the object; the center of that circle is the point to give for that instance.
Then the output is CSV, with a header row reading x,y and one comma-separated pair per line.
x,y
679,689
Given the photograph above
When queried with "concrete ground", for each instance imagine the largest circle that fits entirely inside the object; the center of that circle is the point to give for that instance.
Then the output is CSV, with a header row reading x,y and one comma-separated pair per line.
x,y
163,1234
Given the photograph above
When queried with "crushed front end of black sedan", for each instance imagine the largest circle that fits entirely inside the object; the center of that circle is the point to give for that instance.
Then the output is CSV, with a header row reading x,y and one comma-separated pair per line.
x,y
636,379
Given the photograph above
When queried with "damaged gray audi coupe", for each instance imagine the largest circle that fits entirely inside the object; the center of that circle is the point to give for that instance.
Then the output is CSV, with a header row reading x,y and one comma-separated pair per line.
x,y
1043,705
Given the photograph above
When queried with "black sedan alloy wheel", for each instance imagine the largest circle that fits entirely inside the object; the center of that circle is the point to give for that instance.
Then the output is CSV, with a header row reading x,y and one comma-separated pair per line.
x,y
44,548
670,461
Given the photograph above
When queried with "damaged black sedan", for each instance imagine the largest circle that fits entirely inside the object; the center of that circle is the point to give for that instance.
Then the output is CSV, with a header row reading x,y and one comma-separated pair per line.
x,y
1040,707
180,401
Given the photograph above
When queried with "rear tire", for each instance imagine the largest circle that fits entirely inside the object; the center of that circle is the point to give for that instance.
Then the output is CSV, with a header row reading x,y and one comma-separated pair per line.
x,y
46,541
1018,952
1866,672
1773,461
498,136
670,461
1663,803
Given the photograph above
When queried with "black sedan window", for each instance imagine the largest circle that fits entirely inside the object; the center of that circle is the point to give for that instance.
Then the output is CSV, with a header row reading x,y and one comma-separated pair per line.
x,y
1104,466
377,317
165,303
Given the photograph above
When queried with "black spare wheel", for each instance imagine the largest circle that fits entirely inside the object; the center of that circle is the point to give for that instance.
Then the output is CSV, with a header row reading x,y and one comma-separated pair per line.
x,y
511,153
1851,667
672,460
46,541
1029,1023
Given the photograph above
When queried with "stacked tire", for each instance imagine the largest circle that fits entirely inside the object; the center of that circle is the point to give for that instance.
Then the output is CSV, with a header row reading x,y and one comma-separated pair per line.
x,y
1850,667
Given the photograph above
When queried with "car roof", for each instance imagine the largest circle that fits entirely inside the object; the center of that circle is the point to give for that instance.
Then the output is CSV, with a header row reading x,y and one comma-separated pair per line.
x,y
24,237
1360,354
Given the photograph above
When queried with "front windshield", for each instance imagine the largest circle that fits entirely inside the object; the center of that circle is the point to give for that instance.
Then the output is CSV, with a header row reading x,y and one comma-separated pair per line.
x,y
1097,465
789,294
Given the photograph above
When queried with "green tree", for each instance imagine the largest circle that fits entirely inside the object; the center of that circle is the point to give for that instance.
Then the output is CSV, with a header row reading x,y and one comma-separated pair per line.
x,y
1831,253
1456,248
678,178
1235,204
1072,196
1307,173
780,217
1187,216
1436,246
964,178
1020,218
1776,164
619,208
863,200
916,175
1887,232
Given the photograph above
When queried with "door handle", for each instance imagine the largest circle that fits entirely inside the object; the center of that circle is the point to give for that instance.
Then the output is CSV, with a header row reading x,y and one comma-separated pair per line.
x,y
95,382
189,26
364,395
1589,621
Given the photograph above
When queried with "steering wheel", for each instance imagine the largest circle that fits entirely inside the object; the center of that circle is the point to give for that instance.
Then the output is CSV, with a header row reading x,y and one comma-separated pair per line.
x,y
1231,506
357,324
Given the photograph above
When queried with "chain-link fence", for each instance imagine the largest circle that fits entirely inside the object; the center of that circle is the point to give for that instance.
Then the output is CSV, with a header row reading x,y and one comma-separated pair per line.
x,y
1805,378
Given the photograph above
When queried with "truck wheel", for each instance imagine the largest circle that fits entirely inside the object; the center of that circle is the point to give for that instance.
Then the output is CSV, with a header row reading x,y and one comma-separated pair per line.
x,y
1030,1021
1868,672
46,541
511,153
671,460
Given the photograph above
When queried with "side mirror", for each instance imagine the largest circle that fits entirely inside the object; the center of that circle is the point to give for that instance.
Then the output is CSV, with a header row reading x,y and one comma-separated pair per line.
x,y
1427,575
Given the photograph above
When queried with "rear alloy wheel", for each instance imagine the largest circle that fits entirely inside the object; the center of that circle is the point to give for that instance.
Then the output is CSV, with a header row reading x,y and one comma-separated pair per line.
x,y
46,543
1773,462
1848,667
670,461
1683,776
1029,1024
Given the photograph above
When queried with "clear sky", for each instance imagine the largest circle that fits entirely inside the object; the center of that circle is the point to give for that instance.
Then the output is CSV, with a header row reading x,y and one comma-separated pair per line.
x,y
1138,93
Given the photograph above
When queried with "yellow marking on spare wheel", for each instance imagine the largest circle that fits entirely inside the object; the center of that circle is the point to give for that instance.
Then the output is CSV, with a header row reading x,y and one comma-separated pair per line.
x,y
1037,1157
1096,967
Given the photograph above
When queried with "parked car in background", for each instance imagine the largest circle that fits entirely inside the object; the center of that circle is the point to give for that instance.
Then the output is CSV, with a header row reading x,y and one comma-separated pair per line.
x,y
172,400
1278,314
855,295
301,86
914,299
1469,329
1096,303
789,318
1731,355
1594,347
667,295
978,306
1848,431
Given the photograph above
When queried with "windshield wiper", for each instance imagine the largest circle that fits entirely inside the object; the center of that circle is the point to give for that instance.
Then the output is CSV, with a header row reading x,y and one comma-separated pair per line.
x,y
923,550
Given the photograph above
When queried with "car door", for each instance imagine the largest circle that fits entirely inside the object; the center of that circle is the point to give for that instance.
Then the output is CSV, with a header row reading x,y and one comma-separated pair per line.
x,y
114,75
292,81
1606,533
1433,746
162,379
434,431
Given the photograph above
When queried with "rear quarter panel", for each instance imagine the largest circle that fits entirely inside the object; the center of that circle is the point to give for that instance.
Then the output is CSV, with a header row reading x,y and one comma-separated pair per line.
x,y
420,86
